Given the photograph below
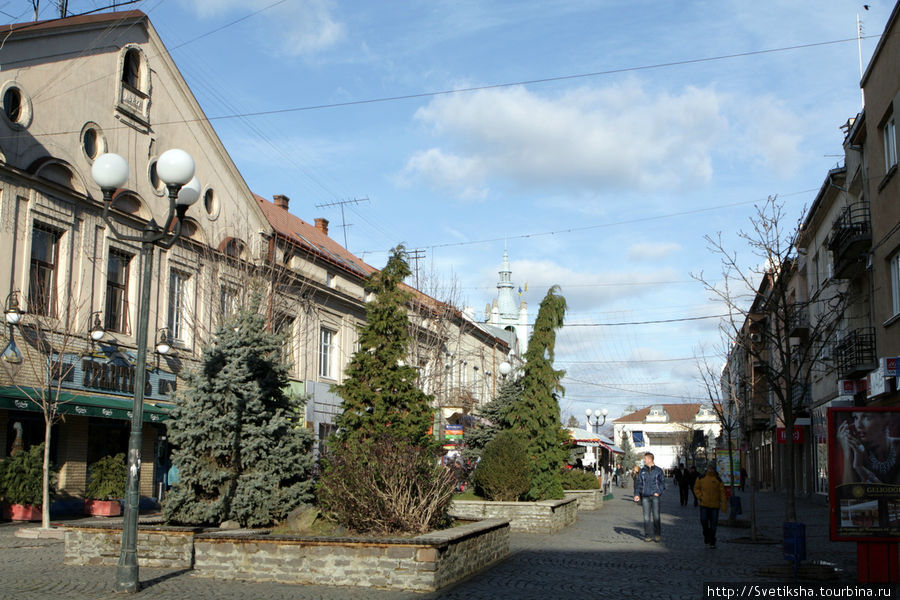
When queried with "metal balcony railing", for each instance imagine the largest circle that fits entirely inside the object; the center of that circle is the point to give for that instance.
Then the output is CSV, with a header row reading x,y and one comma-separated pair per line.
x,y
855,353
851,236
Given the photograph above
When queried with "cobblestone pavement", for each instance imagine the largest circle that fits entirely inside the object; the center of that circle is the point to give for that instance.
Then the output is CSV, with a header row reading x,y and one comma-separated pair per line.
x,y
602,555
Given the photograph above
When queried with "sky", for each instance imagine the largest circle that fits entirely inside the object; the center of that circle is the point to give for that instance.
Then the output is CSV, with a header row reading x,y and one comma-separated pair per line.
x,y
598,142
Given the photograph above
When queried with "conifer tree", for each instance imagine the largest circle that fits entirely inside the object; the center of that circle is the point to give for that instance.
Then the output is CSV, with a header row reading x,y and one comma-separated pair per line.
x,y
630,456
380,396
239,447
537,412
497,416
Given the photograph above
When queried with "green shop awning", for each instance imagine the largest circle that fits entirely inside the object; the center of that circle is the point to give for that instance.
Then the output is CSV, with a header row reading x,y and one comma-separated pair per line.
x,y
84,405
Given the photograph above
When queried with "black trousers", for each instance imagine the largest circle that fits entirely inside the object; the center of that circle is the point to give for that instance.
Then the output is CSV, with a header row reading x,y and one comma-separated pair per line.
x,y
683,494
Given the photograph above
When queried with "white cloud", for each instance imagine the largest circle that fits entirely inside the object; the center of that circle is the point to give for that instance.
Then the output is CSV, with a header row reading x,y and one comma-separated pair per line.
x,y
648,251
772,134
290,28
465,176
620,136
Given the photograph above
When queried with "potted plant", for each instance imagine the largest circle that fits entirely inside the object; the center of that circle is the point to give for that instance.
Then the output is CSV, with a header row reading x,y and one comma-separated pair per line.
x,y
106,486
20,484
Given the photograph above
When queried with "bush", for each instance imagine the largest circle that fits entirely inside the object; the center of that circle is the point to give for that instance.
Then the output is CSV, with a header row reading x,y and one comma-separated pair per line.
x,y
107,478
576,479
385,485
504,472
21,477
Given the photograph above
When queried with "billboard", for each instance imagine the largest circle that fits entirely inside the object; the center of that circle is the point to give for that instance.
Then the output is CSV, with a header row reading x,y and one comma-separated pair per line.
x,y
732,476
864,473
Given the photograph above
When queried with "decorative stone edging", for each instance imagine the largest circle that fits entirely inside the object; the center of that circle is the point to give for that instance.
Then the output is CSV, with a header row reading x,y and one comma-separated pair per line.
x,y
548,516
587,499
422,563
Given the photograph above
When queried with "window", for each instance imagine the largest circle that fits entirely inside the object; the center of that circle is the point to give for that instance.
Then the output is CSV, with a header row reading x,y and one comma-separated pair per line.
x,y
178,283
889,135
131,69
228,301
12,104
326,353
42,277
117,292
895,283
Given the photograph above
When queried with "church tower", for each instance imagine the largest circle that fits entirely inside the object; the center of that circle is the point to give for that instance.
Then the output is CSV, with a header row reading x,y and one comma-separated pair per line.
x,y
507,311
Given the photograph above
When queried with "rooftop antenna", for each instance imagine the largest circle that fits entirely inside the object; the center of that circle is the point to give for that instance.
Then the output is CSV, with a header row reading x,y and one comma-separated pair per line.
x,y
343,203
859,36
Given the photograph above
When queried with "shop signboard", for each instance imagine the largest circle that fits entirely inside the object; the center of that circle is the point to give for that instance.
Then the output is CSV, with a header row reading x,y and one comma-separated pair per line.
x,y
111,371
864,473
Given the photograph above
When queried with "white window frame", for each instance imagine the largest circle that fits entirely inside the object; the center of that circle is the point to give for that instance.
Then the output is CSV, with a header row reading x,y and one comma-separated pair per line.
x,y
177,320
889,137
895,283
327,352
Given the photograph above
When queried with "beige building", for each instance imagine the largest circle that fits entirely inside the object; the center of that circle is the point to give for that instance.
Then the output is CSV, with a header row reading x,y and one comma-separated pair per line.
x,y
72,89
668,431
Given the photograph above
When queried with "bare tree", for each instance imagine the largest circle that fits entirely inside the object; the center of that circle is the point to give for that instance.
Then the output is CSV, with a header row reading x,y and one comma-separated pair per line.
x,y
782,339
42,365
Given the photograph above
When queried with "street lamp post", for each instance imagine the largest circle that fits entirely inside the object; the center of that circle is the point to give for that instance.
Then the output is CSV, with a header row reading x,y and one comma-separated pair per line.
x,y
110,171
595,428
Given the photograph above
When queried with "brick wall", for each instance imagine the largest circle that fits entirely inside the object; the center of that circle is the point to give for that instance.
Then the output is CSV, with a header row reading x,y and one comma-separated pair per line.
x,y
165,547
548,516
73,445
423,563
587,499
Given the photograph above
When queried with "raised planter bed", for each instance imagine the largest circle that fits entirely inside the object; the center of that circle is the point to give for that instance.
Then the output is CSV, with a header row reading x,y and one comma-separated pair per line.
x,y
548,516
22,512
587,499
422,563
103,508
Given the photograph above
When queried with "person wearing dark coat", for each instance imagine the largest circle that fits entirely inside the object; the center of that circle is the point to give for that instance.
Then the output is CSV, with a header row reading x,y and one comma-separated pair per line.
x,y
692,477
649,485
681,479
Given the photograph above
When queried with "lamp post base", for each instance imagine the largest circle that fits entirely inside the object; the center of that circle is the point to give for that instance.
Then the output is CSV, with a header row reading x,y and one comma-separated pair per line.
x,y
127,579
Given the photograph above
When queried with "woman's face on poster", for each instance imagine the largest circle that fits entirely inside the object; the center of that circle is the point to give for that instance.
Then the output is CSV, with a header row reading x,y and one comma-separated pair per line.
x,y
870,426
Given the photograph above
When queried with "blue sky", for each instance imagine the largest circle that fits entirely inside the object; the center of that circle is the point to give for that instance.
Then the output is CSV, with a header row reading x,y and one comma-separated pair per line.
x,y
629,168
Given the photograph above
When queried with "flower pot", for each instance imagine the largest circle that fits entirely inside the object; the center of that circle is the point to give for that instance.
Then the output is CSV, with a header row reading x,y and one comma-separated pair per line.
x,y
103,508
22,512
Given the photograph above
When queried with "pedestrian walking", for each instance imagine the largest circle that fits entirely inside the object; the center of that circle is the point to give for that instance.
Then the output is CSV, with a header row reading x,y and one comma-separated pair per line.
x,y
649,485
710,490
693,476
743,478
681,480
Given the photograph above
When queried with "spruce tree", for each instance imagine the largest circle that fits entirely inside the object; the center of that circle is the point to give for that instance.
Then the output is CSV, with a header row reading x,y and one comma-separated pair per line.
x,y
631,456
537,412
496,416
380,396
239,445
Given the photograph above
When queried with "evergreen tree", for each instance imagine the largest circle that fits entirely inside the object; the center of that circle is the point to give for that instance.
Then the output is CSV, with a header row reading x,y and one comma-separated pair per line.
x,y
380,396
239,446
496,415
631,456
537,412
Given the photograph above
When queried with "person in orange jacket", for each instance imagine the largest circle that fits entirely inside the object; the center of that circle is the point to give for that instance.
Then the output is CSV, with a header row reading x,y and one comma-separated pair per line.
x,y
710,492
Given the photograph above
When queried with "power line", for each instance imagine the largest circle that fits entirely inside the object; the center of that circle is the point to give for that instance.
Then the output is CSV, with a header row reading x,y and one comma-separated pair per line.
x,y
630,362
680,320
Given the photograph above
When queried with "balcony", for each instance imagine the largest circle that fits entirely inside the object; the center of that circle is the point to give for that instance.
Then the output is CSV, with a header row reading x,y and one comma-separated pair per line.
x,y
851,237
855,353
798,321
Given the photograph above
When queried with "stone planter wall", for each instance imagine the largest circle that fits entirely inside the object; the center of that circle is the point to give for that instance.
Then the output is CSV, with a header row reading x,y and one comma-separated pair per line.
x,y
548,516
423,563
587,499
166,547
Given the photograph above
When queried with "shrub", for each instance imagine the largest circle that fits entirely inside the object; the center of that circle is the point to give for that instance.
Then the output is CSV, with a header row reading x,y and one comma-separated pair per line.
x,y
21,477
576,479
385,485
504,472
108,478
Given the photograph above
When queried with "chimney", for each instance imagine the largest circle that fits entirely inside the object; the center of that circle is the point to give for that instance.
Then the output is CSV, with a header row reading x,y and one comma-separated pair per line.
x,y
322,225
281,201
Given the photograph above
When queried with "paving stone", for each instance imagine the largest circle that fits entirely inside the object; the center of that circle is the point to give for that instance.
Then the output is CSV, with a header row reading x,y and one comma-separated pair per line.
x,y
602,555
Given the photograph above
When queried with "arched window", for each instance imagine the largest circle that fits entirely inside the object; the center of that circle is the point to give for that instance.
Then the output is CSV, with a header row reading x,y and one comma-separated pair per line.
x,y
131,69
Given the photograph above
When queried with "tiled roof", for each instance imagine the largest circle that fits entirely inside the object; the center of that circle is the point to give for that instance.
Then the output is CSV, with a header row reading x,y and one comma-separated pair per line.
x,y
678,413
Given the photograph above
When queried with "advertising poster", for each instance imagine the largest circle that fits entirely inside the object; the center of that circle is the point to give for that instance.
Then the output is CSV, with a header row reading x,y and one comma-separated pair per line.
x,y
732,476
864,473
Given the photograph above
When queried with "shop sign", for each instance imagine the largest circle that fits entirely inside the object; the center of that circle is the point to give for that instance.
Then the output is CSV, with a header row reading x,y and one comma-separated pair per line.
x,y
876,382
781,436
850,387
110,372
889,365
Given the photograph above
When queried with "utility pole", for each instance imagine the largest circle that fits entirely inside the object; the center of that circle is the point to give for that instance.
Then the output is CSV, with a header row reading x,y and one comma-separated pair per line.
x,y
343,203
63,8
417,255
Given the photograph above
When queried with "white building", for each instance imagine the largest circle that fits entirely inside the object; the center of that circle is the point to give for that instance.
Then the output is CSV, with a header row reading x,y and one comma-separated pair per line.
x,y
667,429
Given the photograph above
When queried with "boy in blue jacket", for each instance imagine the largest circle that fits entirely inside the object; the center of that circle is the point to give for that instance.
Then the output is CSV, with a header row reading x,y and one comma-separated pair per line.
x,y
648,488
